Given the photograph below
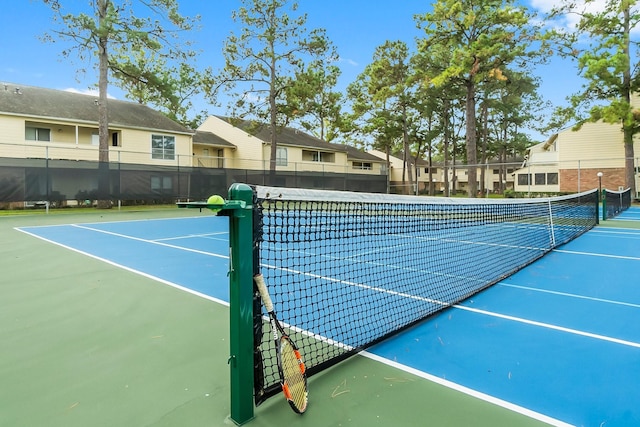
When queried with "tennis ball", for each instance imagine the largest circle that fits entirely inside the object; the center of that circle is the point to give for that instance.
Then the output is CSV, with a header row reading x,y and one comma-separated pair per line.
x,y
215,200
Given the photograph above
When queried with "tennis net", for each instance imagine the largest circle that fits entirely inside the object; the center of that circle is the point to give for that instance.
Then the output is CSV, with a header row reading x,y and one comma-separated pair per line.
x,y
346,270
616,202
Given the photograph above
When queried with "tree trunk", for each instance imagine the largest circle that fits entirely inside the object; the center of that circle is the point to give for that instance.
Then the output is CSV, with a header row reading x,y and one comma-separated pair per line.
x,y
104,201
388,153
407,152
445,148
273,112
273,123
485,138
629,167
470,138
627,127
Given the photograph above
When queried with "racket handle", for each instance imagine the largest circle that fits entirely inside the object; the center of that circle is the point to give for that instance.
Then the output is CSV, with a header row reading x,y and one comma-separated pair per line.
x,y
264,293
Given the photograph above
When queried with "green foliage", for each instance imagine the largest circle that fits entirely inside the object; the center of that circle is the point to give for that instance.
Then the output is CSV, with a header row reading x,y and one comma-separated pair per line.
x,y
263,60
381,95
137,39
608,66
148,79
476,42
311,100
116,21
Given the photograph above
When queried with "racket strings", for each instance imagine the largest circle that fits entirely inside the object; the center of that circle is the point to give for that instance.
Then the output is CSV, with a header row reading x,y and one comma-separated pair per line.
x,y
294,385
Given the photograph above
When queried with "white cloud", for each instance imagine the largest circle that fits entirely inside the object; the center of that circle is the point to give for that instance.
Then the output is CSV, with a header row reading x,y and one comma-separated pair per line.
x,y
570,20
579,5
348,61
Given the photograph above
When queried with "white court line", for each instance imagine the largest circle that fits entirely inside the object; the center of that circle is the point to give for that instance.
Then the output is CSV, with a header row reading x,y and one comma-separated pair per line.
x,y
604,228
376,289
132,270
610,233
120,221
124,236
432,378
632,217
468,391
550,326
462,307
565,294
189,236
632,258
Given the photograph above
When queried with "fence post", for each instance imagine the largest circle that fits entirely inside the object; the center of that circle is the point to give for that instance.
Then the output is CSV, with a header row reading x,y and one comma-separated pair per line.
x,y
578,176
241,268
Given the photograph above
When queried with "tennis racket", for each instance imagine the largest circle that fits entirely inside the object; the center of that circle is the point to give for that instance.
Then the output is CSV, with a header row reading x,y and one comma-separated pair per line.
x,y
290,365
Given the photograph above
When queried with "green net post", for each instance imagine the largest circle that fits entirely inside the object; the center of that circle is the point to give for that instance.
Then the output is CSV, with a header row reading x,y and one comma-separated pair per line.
x,y
241,303
604,204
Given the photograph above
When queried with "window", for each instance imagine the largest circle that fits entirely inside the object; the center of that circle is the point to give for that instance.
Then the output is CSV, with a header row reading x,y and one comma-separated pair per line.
x,y
161,183
540,179
220,157
552,178
318,156
281,156
115,139
362,165
524,178
163,147
496,171
37,134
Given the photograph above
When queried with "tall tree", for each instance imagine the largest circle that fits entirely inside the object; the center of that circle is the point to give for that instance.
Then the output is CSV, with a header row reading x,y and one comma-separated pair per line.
x,y
372,119
151,79
110,25
312,100
430,62
507,105
610,67
261,62
388,84
484,36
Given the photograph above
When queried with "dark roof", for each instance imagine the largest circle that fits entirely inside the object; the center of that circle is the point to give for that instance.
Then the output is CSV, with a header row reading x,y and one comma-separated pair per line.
x,y
354,153
412,159
209,138
286,136
57,104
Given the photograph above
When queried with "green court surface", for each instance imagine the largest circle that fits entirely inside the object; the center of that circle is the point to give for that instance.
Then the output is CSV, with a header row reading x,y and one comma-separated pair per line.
x,y
86,343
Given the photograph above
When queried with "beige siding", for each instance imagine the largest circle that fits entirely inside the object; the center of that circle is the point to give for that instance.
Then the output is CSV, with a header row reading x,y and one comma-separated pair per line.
x,y
598,142
543,159
211,156
253,153
395,165
596,147
580,155
249,153
77,142
376,167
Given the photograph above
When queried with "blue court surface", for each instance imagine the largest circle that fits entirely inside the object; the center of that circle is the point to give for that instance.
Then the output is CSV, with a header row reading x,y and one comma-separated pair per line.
x,y
559,340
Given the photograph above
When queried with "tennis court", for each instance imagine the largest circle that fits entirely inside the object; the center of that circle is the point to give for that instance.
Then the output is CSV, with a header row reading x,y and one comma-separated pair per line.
x,y
555,343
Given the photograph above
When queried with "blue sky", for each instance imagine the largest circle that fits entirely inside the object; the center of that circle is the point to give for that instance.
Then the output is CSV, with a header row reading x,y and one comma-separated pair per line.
x,y
356,27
